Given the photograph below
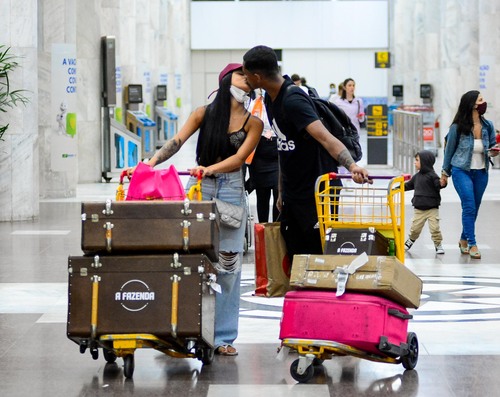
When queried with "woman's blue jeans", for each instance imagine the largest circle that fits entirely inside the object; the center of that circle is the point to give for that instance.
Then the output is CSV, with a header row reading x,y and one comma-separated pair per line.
x,y
470,186
227,187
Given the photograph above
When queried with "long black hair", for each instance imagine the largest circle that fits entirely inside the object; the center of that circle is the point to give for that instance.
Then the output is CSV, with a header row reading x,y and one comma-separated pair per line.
x,y
344,92
213,142
463,118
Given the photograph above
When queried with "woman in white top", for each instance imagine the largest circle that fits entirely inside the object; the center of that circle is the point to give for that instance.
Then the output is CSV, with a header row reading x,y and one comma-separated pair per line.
x,y
469,144
351,105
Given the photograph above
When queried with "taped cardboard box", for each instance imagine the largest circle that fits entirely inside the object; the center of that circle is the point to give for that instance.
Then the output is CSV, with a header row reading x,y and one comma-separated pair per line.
x,y
379,275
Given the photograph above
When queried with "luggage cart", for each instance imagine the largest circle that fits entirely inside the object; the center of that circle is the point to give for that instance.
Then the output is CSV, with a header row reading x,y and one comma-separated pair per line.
x,y
380,206
171,343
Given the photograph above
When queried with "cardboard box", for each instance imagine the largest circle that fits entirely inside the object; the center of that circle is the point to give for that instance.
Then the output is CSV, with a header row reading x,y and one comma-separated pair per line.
x,y
355,242
382,275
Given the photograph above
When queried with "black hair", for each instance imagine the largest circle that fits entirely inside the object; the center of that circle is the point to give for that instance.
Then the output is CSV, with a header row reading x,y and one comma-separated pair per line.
x,y
213,143
295,77
262,60
344,92
463,118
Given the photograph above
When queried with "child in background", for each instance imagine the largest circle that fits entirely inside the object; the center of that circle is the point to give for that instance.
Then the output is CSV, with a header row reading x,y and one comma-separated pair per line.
x,y
426,200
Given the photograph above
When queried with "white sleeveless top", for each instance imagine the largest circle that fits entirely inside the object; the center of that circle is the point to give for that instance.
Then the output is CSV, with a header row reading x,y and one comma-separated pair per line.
x,y
477,161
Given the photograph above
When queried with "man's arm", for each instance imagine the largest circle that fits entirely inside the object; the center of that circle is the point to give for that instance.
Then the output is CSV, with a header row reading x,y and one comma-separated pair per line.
x,y
337,150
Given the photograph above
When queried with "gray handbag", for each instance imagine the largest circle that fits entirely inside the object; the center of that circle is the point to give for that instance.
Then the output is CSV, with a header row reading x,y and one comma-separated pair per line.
x,y
230,215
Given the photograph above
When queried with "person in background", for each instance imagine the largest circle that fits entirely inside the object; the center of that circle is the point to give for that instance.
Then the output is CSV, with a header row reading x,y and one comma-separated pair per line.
x,y
351,105
333,89
228,134
333,98
469,144
310,90
301,135
263,164
297,81
426,200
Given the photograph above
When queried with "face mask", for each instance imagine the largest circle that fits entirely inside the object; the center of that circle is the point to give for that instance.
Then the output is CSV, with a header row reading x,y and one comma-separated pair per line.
x,y
238,94
481,108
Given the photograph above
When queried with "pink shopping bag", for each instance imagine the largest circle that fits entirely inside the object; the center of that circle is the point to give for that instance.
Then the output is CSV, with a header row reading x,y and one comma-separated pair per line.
x,y
150,184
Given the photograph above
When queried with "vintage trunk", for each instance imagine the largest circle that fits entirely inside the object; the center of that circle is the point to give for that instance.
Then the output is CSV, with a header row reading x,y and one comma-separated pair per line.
x,y
151,227
138,294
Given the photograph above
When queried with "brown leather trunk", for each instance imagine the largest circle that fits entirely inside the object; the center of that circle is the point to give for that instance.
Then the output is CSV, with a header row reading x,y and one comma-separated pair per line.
x,y
151,227
134,295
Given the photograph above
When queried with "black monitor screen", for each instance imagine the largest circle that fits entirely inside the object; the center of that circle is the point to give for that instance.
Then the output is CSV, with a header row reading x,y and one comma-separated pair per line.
x,y
161,93
425,91
134,93
397,90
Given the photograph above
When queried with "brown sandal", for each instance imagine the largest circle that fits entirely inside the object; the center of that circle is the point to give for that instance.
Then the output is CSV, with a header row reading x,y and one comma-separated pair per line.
x,y
463,250
474,254
226,350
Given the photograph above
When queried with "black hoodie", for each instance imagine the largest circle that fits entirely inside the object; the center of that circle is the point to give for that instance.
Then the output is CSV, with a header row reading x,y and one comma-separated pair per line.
x,y
425,183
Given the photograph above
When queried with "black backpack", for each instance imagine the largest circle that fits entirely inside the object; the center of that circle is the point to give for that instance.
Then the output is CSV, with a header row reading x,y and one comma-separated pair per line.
x,y
335,120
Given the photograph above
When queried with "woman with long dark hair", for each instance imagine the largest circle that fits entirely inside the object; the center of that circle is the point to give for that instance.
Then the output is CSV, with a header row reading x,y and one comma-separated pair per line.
x,y
351,105
466,160
228,134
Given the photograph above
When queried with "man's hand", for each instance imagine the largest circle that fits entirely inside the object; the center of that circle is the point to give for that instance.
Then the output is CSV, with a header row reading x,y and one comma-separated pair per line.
x,y
359,174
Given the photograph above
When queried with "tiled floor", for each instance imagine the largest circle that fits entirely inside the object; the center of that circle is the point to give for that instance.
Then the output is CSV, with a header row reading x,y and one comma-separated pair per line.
x,y
458,323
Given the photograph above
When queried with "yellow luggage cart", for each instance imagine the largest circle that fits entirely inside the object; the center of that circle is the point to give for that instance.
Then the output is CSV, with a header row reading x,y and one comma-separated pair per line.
x,y
378,205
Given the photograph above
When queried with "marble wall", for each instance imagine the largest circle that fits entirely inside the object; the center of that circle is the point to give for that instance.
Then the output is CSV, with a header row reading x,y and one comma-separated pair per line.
x,y
19,149
151,35
445,43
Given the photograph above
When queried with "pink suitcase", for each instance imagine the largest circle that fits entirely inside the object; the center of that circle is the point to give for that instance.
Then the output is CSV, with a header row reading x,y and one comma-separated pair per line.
x,y
369,323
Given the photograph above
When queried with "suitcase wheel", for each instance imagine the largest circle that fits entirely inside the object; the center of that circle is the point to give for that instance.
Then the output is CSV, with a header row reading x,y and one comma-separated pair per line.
x,y
410,359
94,353
301,378
109,356
83,346
128,366
205,355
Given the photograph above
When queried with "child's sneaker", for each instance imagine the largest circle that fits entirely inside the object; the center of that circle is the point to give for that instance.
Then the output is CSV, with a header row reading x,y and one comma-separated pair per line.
x,y
439,249
409,243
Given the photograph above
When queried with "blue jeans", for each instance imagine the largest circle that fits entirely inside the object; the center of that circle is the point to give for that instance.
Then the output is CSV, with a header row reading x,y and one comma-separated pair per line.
x,y
227,187
227,306
470,186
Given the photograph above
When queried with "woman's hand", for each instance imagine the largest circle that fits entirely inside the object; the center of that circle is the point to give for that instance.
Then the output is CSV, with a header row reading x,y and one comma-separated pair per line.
x,y
130,171
443,180
201,171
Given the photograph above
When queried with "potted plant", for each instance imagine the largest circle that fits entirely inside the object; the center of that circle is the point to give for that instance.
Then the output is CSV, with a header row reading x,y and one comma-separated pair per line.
x,y
8,98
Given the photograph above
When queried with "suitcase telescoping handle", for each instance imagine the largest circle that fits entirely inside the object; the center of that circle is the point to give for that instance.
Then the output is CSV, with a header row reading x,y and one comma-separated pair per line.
x,y
334,175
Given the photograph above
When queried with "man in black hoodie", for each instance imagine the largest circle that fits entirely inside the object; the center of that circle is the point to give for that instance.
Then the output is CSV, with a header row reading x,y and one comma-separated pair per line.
x,y
426,200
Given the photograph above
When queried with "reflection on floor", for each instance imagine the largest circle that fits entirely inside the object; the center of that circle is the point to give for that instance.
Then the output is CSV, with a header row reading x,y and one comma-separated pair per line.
x,y
457,324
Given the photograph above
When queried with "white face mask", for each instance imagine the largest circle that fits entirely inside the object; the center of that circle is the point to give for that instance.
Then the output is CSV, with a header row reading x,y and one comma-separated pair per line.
x,y
238,94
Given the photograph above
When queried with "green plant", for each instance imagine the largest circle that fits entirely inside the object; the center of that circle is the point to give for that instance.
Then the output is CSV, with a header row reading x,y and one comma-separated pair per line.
x,y
8,98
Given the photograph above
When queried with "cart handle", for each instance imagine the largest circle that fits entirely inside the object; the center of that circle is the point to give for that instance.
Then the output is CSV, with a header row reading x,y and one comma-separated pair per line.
x,y
334,175
199,175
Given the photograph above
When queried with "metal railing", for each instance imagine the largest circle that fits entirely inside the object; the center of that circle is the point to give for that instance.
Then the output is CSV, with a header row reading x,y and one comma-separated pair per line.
x,y
407,135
